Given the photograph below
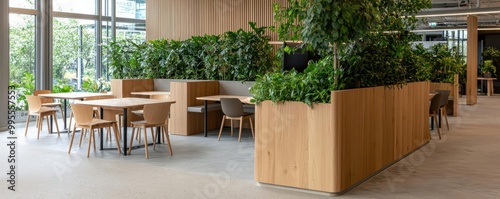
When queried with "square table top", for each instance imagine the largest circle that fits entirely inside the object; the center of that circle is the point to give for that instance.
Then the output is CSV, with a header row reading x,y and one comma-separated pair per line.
x,y
73,95
244,99
124,102
151,93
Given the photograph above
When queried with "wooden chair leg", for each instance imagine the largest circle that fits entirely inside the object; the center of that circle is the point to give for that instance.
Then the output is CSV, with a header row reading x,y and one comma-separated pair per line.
x,y
57,126
437,126
221,126
146,143
131,140
27,123
90,143
39,118
445,117
48,125
72,138
231,127
81,136
241,125
70,120
153,135
115,130
168,140
251,127
92,133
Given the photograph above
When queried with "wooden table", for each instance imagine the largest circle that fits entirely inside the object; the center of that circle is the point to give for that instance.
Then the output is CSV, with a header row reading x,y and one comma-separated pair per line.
x,y
125,104
489,84
149,93
71,96
216,98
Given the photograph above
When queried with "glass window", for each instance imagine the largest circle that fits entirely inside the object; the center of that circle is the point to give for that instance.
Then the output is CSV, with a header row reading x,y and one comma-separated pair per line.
x,y
133,9
22,46
135,31
29,4
80,6
73,51
22,31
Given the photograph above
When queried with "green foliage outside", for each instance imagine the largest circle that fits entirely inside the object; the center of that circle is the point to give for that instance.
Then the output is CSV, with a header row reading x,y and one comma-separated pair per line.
x,y
239,56
93,86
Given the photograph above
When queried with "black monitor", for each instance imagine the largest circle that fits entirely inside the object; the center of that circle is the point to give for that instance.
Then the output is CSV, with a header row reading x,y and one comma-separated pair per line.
x,y
297,60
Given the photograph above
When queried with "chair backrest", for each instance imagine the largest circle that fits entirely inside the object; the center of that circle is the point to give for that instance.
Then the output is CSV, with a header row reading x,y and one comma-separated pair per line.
x,y
34,103
444,97
156,113
44,100
435,103
84,114
232,107
160,97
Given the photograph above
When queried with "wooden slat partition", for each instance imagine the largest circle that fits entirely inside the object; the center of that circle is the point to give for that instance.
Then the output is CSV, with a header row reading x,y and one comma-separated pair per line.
x,y
123,87
472,59
333,146
181,19
454,89
184,93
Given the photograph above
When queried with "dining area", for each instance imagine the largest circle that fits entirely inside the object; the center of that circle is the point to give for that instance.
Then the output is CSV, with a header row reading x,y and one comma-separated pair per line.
x,y
139,118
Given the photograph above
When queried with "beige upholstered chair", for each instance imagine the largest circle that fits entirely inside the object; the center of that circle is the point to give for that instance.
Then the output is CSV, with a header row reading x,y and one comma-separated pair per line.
x,y
233,110
155,115
434,108
84,119
35,108
49,102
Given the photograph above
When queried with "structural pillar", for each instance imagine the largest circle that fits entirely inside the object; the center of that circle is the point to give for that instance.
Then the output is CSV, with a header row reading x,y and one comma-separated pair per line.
x,y
472,59
4,63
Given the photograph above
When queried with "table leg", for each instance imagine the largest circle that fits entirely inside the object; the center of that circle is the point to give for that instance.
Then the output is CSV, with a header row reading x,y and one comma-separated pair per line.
x,y
124,132
51,124
65,102
102,130
158,135
205,116
439,113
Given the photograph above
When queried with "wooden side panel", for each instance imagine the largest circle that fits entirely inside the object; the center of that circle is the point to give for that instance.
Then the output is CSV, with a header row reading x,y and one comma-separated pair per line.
x,y
294,145
181,19
123,87
472,59
185,93
375,127
333,146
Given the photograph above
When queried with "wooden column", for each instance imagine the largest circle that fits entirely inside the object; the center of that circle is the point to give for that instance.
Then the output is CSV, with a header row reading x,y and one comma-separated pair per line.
x,y
472,40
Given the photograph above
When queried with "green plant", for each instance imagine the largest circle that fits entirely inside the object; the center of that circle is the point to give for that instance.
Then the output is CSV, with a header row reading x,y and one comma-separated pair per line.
x,y
62,86
488,67
312,86
235,55
93,86
491,53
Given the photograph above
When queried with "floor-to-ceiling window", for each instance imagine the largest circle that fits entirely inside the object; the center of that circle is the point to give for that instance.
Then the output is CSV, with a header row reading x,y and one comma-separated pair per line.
x,y
77,31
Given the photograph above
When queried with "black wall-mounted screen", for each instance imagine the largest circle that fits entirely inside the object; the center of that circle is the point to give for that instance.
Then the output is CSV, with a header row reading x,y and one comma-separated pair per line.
x,y
298,60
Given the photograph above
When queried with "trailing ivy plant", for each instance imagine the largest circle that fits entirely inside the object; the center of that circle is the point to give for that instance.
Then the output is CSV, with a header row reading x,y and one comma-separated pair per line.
x,y
312,86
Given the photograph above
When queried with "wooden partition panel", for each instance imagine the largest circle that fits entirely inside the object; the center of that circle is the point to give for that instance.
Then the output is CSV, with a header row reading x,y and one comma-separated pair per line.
x,y
472,59
332,147
185,93
294,145
181,19
377,126
123,87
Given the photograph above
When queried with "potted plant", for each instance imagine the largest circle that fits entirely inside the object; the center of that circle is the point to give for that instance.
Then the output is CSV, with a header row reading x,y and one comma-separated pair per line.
x,y
488,68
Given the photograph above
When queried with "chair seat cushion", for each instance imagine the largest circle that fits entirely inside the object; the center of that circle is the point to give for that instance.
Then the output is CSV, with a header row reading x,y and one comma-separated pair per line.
x,y
46,110
138,112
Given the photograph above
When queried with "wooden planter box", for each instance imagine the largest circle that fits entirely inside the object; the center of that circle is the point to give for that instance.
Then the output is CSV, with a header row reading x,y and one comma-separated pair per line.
x,y
122,88
333,147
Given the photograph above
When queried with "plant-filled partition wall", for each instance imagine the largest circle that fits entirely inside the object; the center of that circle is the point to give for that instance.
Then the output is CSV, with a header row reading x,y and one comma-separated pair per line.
x,y
239,55
346,135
